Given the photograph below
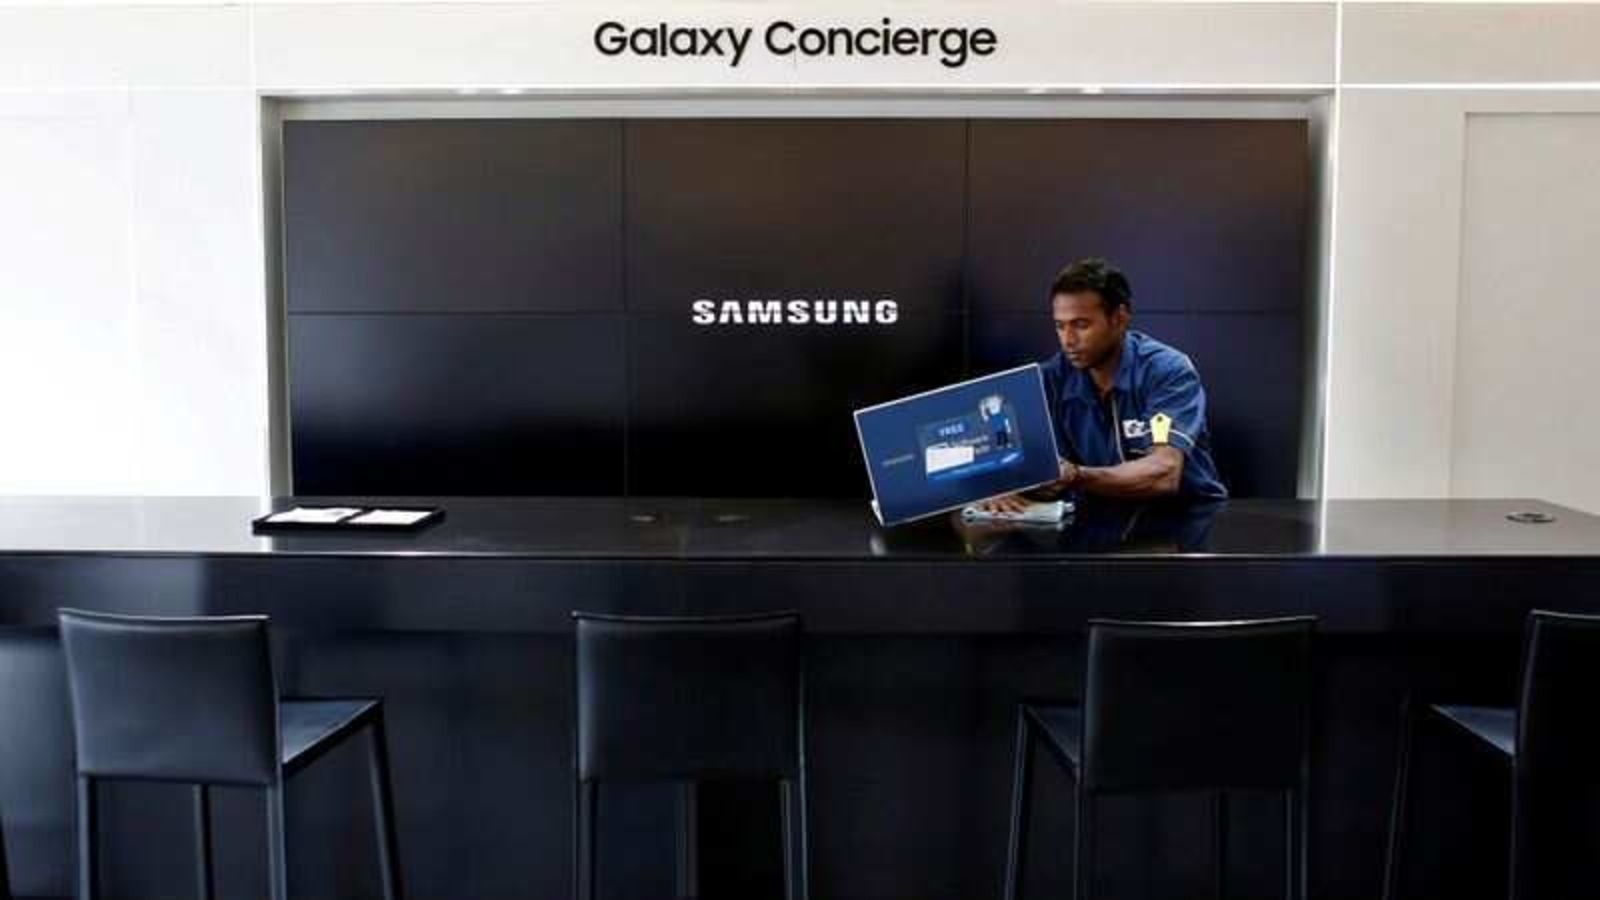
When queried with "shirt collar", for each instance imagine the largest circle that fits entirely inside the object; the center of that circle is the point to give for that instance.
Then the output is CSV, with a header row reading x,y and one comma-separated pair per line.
x,y
1123,383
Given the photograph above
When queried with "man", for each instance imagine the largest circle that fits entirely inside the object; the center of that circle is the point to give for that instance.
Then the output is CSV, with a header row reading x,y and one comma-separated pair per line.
x,y
1130,413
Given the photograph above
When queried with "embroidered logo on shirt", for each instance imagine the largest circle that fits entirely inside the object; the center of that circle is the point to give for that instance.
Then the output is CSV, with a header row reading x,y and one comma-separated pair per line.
x,y
1135,428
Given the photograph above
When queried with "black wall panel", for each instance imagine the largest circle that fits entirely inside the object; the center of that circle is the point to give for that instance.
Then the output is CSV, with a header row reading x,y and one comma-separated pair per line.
x,y
435,404
450,216
626,224
831,208
1204,215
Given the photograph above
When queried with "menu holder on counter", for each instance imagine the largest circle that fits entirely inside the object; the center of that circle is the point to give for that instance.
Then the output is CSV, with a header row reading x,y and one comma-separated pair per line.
x,y
348,518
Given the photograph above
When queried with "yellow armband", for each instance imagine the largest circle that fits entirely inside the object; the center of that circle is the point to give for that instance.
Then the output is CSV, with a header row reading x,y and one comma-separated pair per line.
x,y
1160,428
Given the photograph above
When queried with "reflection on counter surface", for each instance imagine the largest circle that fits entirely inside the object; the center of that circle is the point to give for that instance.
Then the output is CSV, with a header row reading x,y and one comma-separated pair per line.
x,y
1107,527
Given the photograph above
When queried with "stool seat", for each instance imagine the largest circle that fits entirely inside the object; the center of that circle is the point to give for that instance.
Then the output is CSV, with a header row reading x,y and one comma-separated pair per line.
x,y
1494,725
311,727
1061,726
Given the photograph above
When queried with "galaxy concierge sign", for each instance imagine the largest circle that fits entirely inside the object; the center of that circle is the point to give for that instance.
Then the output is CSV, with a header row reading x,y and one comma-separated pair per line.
x,y
952,46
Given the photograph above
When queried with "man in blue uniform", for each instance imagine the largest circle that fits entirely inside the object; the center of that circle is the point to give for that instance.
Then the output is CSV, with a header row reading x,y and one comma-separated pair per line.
x,y
1130,412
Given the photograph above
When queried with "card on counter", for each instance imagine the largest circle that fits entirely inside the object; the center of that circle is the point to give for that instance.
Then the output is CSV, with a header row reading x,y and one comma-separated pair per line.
x,y
312,515
402,517
349,518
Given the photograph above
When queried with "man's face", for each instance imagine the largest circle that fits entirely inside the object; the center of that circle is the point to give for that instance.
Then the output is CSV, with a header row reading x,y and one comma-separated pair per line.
x,y
1088,336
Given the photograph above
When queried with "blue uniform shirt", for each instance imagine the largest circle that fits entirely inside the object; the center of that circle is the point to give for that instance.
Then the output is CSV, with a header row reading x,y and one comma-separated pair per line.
x,y
1151,378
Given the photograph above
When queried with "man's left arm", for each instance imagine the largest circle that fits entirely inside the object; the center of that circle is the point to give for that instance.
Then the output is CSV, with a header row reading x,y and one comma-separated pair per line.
x,y
1156,474
1179,401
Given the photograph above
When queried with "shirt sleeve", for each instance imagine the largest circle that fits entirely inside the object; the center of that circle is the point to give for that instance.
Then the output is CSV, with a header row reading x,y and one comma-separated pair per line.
x,y
1179,396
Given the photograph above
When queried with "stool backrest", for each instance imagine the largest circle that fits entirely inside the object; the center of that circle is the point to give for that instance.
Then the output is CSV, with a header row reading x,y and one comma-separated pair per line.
x,y
172,699
676,698
1197,705
1558,743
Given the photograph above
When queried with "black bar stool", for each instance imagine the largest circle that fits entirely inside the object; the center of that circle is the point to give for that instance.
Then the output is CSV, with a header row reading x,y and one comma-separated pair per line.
x,y
1213,706
681,699
1550,743
195,701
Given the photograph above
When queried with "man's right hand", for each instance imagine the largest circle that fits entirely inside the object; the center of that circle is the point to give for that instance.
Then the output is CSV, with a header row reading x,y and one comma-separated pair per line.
x,y
1053,490
1010,503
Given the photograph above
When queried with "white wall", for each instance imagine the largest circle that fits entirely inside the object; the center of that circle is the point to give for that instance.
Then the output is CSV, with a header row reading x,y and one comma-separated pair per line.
x,y
1527,422
133,310
132,350
1412,405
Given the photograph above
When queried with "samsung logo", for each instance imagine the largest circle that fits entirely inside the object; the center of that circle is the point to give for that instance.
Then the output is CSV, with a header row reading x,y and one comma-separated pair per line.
x,y
795,312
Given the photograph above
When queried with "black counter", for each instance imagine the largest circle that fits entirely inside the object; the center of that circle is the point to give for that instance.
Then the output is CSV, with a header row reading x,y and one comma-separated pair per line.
x,y
560,528
523,564
922,639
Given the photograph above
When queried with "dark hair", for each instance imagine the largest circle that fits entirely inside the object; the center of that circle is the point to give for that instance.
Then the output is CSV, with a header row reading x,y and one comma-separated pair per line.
x,y
1097,275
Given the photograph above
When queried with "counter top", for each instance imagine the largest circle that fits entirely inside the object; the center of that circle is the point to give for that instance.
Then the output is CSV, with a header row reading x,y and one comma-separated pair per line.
x,y
710,529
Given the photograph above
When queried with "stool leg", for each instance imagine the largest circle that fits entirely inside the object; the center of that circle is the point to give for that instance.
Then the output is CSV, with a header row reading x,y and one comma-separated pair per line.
x,y
805,831
1021,796
383,809
5,873
796,853
205,877
277,862
786,813
1219,844
803,802
584,814
688,840
1295,824
1523,881
88,820
1083,846
1399,806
